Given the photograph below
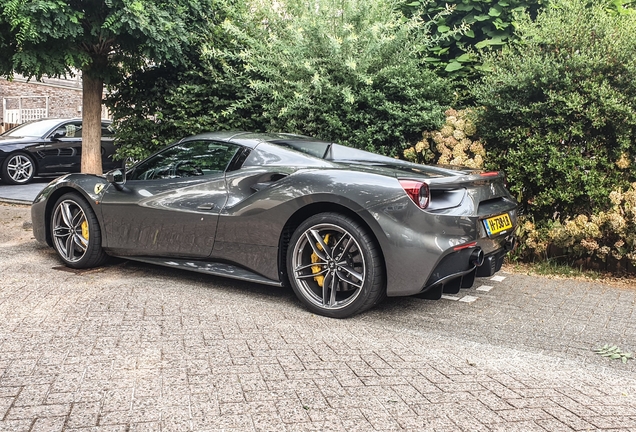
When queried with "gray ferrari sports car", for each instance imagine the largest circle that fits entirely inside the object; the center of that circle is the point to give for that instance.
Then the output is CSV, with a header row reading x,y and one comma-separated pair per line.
x,y
342,226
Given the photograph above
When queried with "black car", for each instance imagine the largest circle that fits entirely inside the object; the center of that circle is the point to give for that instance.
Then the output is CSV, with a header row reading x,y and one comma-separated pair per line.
x,y
48,147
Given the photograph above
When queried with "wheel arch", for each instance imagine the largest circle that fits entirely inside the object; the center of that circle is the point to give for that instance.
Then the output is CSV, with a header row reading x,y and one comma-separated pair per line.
x,y
305,213
30,154
52,199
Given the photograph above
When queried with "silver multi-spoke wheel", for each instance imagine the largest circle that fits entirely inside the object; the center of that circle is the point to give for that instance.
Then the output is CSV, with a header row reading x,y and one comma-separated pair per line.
x,y
70,231
329,266
75,232
334,266
18,169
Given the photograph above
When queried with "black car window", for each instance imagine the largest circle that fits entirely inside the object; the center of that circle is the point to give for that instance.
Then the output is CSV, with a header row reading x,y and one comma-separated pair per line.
x,y
107,131
72,130
188,159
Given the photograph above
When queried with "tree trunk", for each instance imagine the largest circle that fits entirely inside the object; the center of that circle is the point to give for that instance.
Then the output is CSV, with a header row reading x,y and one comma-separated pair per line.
x,y
92,124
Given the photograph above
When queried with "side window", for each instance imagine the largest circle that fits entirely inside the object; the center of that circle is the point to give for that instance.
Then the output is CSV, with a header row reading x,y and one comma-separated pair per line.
x,y
107,131
73,130
68,130
189,159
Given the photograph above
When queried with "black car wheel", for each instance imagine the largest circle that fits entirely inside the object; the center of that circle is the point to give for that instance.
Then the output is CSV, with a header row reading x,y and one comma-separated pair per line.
x,y
17,169
334,266
76,234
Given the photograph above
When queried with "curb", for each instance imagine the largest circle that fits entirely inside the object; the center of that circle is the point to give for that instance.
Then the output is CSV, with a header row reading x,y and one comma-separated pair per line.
x,y
15,201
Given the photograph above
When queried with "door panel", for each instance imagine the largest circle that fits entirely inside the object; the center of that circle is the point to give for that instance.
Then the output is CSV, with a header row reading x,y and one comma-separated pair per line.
x,y
171,203
170,217
63,154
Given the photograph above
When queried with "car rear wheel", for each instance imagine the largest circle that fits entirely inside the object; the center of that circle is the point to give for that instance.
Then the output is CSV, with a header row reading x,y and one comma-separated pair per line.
x,y
76,234
17,169
334,266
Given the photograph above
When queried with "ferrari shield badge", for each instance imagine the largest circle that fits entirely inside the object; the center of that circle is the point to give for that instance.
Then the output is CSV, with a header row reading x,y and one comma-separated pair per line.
x,y
99,187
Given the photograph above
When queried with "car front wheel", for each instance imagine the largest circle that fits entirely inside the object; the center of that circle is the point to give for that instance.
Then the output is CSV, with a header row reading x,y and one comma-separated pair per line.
x,y
334,266
18,169
76,234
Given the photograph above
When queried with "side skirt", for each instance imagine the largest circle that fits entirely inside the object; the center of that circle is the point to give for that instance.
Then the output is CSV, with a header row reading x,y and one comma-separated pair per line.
x,y
212,268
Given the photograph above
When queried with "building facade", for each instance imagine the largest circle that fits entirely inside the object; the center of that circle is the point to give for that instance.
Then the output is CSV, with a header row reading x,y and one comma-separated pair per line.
x,y
24,100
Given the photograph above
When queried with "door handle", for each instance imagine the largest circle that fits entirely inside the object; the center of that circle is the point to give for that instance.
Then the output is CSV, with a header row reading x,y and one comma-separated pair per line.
x,y
206,206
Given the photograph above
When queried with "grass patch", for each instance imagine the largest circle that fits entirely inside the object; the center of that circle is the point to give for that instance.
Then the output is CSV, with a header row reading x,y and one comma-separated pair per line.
x,y
554,269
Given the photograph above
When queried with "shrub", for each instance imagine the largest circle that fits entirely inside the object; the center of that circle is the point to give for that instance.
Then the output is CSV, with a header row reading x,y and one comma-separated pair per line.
x,y
559,109
483,24
454,144
208,92
604,234
344,71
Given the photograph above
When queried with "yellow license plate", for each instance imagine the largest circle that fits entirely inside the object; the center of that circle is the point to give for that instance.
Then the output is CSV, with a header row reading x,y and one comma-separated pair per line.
x,y
497,224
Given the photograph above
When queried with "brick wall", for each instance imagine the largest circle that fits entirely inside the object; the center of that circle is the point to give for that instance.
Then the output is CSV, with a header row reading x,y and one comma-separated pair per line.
x,y
63,101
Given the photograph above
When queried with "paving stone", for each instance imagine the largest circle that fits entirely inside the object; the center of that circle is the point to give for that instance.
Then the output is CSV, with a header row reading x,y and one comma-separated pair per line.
x,y
49,424
16,425
553,425
140,348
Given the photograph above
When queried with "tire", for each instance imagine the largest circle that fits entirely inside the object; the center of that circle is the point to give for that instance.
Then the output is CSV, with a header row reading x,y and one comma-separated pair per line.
x,y
76,234
18,169
342,279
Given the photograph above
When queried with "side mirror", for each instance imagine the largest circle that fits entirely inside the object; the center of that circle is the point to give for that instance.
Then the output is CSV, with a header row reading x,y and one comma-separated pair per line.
x,y
59,133
117,178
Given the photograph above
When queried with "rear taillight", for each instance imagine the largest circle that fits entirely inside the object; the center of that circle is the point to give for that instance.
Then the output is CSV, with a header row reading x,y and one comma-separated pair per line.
x,y
489,174
417,191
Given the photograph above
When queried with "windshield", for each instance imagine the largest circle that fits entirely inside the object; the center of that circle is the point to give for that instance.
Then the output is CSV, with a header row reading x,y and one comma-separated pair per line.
x,y
34,129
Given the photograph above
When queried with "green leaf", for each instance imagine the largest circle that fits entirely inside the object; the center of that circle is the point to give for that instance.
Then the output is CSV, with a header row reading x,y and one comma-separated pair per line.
x,y
443,29
453,66
470,34
414,4
494,11
464,7
481,17
463,58
483,44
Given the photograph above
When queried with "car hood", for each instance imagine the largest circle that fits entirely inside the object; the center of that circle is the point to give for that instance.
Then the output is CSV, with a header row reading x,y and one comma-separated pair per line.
x,y
5,140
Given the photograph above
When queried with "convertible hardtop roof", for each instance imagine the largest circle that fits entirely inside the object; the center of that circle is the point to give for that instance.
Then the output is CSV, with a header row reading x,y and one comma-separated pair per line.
x,y
332,153
251,139
324,150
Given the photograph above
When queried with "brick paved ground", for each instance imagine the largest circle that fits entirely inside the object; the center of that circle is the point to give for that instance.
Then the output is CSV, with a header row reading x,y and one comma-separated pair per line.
x,y
133,347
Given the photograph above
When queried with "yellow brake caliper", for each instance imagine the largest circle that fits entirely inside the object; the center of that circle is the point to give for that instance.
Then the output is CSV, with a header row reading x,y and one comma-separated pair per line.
x,y
85,230
320,279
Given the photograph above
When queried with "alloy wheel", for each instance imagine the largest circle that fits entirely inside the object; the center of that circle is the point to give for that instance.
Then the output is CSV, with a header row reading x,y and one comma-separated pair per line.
x,y
20,168
70,231
328,266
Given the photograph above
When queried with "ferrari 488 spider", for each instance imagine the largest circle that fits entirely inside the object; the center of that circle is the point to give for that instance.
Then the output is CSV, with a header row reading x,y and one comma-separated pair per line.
x,y
342,226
